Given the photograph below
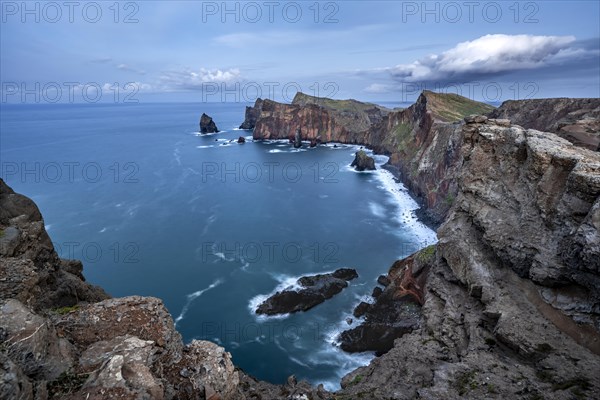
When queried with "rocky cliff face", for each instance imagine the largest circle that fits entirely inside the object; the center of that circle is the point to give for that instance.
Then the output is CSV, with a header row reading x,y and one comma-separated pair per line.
x,y
511,299
63,338
422,140
577,120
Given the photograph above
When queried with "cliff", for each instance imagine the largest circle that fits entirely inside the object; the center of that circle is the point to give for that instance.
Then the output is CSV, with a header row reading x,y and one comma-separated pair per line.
x,y
511,301
577,120
422,140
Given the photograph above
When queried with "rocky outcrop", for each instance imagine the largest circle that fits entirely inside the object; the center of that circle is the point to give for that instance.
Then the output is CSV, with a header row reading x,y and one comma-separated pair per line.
x,y
363,162
207,125
241,139
31,270
311,291
297,139
532,200
396,310
577,120
511,298
252,114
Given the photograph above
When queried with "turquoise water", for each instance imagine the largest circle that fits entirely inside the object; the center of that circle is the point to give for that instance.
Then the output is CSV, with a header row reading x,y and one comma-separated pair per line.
x,y
209,225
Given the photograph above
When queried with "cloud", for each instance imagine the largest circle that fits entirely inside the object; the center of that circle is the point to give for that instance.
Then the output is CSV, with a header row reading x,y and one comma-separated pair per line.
x,y
189,79
128,68
489,55
378,88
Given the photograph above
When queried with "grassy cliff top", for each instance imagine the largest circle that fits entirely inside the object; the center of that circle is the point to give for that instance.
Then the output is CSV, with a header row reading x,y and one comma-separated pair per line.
x,y
450,107
350,105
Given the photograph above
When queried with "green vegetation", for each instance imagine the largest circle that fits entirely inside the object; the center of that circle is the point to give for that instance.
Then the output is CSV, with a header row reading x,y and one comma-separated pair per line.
x,y
490,341
427,254
450,199
357,379
66,310
402,136
349,105
1,232
68,382
452,107
466,382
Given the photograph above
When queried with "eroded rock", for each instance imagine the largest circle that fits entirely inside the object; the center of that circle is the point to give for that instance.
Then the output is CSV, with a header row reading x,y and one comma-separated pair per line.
x,y
207,125
311,291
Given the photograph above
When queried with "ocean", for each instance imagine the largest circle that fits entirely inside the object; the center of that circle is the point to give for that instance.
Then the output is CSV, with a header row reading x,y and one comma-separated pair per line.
x,y
210,226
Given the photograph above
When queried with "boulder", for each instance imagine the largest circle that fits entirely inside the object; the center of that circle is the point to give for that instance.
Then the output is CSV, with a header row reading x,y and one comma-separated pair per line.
x,y
363,162
241,139
207,125
312,290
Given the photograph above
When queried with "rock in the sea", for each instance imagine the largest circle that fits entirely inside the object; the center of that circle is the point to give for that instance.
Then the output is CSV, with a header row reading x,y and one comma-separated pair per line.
x,y
312,290
363,162
313,142
207,125
241,139
297,139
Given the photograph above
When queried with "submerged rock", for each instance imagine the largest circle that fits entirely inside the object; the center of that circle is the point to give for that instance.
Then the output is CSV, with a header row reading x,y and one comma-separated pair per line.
x,y
207,125
312,290
363,162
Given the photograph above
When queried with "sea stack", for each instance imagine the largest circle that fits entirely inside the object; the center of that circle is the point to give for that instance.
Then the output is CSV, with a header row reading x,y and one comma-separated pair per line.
x,y
297,139
363,162
207,125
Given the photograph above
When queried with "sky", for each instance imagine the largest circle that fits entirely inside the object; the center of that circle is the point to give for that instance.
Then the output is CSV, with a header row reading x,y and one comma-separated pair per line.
x,y
387,51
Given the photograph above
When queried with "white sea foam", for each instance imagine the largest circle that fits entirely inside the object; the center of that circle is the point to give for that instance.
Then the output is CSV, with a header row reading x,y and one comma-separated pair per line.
x,y
293,359
329,353
204,147
177,157
193,296
101,230
405,214
276,151
376,209
285,282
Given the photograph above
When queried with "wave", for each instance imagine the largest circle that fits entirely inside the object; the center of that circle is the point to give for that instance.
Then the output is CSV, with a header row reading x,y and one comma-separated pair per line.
x,y
193,296
406,207
285,282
